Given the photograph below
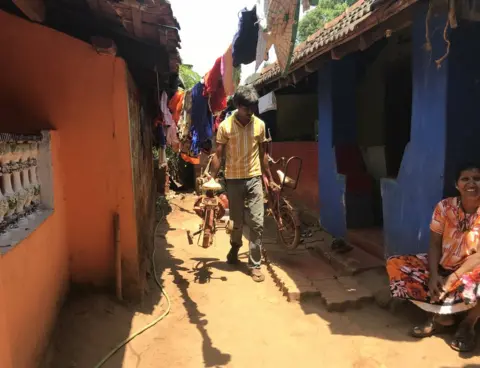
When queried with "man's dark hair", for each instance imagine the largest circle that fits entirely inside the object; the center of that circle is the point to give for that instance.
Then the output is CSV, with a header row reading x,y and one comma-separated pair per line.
x,y
245,96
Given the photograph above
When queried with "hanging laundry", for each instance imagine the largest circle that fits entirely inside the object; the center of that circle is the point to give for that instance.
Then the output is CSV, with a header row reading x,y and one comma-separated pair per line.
x,y
189,149
190,159
282,24
262,52
245,40
185,117
167,115
217,122
159,133
267,103
176,104
227,72
201,118
262,11
169,124
214,90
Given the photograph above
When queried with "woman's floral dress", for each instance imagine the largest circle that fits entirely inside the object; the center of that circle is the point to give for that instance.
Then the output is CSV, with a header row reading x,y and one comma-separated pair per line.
x,y
409,274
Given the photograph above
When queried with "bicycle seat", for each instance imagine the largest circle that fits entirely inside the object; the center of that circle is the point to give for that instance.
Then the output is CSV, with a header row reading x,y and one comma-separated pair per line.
x,y
289,182
212,185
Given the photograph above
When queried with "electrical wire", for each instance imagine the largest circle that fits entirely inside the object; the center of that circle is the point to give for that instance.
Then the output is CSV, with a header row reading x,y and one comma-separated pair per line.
x,y
151,324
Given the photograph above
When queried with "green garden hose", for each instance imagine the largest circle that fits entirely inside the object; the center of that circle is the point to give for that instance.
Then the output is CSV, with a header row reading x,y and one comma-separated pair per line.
x,y
151,324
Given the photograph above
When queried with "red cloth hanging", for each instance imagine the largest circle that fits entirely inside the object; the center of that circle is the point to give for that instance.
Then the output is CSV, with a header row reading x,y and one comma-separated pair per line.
x,y
176,104
214,88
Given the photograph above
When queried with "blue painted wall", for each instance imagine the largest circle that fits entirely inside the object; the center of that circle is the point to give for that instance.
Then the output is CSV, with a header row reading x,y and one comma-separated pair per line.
x,y
336,124
409,200
463,109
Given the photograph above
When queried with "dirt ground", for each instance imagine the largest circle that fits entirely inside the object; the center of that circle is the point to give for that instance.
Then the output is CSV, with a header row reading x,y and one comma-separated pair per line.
x,y
221,318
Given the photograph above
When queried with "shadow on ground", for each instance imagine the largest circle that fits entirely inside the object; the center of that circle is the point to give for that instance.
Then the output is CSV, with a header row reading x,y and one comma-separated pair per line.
x,y
90,324
369,319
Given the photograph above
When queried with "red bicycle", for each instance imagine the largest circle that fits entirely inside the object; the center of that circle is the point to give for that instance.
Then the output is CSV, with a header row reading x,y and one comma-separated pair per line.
x,y
209,206
285,215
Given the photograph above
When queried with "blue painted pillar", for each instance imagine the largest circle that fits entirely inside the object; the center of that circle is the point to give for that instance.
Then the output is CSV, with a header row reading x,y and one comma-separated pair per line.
x,y
336,124
409,200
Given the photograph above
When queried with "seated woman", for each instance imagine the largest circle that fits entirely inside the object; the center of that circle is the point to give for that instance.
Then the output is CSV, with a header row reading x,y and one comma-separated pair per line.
x,y
447,279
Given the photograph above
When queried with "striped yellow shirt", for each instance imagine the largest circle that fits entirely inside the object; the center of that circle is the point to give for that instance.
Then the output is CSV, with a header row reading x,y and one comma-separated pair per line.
x,y
242,145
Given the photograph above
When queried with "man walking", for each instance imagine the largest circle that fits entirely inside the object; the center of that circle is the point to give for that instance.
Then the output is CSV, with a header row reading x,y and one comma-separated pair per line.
x,y
241,139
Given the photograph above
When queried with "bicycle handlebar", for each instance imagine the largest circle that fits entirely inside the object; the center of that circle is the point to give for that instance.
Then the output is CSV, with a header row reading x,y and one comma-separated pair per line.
x,y
271,160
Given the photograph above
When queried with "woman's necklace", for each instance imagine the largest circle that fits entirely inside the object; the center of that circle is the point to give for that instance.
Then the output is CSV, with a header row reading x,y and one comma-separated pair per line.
x,y
464,224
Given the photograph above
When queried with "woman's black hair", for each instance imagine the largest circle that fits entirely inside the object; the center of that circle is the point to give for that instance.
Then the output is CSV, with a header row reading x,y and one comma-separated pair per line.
x,y
245,96
465,166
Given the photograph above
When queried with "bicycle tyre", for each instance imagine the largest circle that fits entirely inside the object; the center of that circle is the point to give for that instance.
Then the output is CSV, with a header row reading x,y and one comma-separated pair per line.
x,y
208,229
289,214
207,238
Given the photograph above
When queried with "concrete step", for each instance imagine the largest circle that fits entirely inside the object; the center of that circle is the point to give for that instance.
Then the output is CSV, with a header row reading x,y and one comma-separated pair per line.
x,y
302,276
314,270
370,240
353,262
342,293
350,263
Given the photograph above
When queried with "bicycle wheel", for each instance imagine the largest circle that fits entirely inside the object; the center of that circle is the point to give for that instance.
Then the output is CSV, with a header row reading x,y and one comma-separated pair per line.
x,y
289,229
207,239
208,229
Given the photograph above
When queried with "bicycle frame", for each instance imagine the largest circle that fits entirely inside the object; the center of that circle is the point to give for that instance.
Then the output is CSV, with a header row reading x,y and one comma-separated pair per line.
x,y
275,198
284,163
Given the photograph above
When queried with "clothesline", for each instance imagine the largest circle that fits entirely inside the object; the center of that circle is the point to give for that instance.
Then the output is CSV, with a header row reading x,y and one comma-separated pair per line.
x,y
189,120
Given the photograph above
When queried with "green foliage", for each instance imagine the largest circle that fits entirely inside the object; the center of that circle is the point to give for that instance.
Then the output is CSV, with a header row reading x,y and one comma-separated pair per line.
x,y
325,11
188,76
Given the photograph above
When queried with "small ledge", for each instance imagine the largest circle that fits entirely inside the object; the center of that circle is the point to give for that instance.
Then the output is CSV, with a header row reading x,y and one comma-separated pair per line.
x,y
14,237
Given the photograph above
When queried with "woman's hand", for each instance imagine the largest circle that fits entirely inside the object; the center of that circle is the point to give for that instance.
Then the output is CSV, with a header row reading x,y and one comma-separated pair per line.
x,y
447,285
435,286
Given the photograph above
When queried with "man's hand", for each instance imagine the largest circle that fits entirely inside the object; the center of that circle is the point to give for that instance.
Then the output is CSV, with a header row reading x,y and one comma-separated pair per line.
x,y
274,187
435,286
216,160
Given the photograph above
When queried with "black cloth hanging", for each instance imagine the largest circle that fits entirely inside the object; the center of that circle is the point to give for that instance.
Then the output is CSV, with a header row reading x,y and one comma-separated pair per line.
x,y
245,40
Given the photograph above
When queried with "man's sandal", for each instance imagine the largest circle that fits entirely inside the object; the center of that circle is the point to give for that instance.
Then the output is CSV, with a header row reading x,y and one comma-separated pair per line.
x,y
257,275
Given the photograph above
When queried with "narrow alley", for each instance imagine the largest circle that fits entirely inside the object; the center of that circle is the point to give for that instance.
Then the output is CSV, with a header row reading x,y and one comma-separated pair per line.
x,y
220,318
340,136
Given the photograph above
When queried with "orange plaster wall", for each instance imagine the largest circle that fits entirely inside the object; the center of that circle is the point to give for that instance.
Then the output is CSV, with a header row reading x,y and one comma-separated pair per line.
x,y
33,278
50,80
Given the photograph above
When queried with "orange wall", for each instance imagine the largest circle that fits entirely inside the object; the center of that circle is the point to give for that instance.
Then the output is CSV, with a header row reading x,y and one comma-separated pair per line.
x,y
33,279
48,79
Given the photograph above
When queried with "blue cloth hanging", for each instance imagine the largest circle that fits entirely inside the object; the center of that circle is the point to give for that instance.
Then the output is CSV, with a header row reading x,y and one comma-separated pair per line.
x,y
245,40
202,120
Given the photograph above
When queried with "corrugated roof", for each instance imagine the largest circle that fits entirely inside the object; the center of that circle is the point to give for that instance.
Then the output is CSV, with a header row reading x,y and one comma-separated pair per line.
x,y
333,33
